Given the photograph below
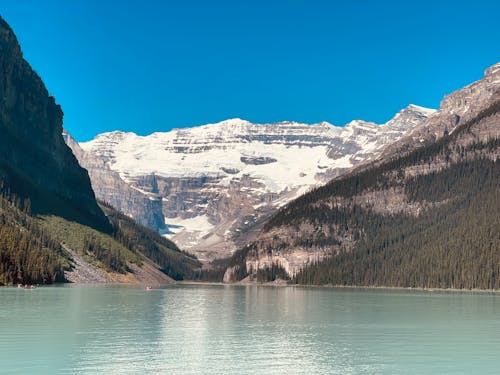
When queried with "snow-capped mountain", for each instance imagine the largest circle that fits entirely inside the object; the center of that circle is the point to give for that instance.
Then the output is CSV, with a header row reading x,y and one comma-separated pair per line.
x,y
218,181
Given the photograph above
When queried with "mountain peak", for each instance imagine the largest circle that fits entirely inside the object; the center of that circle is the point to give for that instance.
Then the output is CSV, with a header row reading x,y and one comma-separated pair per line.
x,y
417,108
323,124
232,122
409,117
360,124
492,70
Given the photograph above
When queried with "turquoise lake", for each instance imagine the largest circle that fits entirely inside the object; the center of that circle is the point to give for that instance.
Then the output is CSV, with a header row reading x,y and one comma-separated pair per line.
x,y
215,329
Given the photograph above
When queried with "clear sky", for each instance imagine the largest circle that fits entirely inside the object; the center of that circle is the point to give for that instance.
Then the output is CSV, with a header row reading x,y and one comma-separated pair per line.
x,y
146,65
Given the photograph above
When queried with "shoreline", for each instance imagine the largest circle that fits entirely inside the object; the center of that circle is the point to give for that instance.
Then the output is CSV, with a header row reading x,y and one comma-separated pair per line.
x,y
268,284
330,286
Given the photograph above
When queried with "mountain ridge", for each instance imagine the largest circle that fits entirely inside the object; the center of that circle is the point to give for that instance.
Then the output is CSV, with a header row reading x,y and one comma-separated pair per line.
x,y
239,122
358,228
218,180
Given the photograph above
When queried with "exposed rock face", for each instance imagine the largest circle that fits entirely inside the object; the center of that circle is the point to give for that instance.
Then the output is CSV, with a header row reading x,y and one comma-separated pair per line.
x,y
218,182
455,109
34,160
298,240
145,207
85,273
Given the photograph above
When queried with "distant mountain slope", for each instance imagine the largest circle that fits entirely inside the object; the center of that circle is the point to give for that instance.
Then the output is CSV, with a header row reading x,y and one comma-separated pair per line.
x,y
422,218
216,183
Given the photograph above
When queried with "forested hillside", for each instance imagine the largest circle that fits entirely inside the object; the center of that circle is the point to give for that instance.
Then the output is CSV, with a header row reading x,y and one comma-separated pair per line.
x,y
27,253
453,245
428,218
172,261
33,248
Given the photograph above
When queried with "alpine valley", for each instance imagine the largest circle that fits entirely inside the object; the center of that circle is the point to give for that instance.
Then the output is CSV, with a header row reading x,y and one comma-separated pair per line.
x,y
413,202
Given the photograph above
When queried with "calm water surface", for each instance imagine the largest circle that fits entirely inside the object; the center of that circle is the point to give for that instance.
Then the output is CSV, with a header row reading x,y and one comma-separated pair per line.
x,y
247,330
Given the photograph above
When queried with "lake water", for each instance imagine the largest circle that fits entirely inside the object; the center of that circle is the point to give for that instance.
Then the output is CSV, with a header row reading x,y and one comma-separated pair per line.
x,y
203,329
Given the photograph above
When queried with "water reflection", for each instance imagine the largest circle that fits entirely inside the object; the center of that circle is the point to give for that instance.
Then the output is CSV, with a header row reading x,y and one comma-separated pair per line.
x,y
246,330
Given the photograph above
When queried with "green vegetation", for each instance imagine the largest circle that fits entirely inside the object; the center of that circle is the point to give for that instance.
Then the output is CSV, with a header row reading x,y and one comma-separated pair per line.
x,y
31,250
128,242
214,272
27,253
272,273
97,248
455,245
238,261
177,264
45,202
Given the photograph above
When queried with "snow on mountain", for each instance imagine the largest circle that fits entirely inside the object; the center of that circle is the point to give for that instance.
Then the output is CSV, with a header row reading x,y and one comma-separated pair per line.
x,y
218,180
225,150
282,155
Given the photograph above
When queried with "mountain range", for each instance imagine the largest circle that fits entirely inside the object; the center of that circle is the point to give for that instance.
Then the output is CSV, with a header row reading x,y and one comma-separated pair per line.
x,y
210,187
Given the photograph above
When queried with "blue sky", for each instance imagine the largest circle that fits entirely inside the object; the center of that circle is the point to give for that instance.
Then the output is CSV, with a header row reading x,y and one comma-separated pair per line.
x,y
148,66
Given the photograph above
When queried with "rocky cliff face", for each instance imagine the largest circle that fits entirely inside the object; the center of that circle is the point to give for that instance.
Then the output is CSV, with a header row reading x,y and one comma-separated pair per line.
x,y
145,207
35,162
218,182
455,109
